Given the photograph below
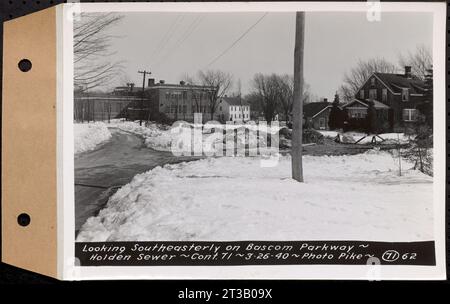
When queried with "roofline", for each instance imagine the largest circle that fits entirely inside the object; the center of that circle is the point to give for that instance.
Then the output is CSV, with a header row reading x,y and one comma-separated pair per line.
x,y
321,111
357,100
180,86
242,104
366,105
374,74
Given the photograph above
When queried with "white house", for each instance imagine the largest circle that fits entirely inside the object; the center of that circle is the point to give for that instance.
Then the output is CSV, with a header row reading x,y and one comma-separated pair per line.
x,y
232,109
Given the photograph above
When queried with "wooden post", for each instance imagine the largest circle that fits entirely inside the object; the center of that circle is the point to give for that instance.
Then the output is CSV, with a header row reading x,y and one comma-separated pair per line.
x,y
141,114
297,111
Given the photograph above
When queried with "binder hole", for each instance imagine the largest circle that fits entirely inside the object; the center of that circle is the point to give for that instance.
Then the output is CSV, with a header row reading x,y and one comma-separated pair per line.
x,y
25,65
23,219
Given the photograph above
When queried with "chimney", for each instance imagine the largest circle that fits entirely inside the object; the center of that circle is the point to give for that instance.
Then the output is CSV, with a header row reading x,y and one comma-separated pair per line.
x,y
151,82
131,87
182,82
161,81
408,72
325,100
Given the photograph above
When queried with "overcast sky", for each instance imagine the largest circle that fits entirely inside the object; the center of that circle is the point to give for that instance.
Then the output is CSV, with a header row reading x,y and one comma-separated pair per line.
x,y
333,44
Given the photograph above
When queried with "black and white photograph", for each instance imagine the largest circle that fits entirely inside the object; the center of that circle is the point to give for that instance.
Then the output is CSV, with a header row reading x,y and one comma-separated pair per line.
x,y
256,126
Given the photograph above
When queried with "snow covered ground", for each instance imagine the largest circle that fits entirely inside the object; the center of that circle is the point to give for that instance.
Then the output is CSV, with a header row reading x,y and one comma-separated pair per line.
x,y
161,138
88,135
358,197
352,137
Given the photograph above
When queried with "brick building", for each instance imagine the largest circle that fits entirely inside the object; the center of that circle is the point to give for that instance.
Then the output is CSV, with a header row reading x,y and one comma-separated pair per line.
x,y
178,101
396,98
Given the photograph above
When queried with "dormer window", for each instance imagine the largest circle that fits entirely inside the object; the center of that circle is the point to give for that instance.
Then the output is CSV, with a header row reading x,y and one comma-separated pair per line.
x,y
405,94
372,81
361,94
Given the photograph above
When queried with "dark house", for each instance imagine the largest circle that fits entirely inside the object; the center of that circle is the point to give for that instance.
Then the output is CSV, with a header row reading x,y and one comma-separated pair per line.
x,y
315,114
396,98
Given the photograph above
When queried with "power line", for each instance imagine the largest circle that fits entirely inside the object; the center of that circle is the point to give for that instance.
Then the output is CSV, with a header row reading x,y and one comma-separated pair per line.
x,y
237,40
190,29
165,35
166,38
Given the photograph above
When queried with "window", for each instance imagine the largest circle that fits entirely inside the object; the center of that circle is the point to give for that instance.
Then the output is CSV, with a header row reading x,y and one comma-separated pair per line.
x,y
405,94
373,94
409,114
357,112
361,94
321,123
372,81
384,95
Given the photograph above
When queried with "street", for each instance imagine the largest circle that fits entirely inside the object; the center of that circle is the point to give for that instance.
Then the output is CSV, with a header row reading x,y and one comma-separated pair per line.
x,y
99,173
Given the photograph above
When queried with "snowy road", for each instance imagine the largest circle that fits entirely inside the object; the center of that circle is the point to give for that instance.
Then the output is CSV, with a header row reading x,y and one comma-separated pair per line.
x,y
100,172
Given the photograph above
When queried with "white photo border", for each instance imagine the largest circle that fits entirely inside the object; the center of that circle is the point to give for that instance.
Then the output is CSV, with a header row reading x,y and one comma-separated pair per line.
x,y
67,265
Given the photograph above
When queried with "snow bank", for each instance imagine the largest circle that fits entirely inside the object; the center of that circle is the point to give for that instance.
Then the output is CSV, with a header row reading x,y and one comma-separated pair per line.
x,y
160,137
358,197
352,137
331,134
155,136
88,135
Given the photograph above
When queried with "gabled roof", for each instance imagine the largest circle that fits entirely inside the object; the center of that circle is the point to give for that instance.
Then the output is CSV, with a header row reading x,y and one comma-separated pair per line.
x,y
396,82
364,103
312,108
234,101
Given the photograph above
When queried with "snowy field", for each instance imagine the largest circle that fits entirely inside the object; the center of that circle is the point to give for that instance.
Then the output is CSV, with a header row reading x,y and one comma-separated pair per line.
x,y
88,135
358,197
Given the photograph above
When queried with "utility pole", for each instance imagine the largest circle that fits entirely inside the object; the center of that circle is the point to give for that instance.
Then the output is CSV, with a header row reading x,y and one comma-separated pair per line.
x,y
144,73
297,111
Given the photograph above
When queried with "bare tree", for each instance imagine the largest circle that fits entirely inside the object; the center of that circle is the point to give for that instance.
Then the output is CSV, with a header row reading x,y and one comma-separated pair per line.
x,y
253,99
420,61
267,88
286,94
219,83
196,97
91,47
361,72
276,94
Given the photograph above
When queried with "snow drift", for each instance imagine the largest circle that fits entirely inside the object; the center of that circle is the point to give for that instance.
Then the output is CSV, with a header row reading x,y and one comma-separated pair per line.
x,y
88,135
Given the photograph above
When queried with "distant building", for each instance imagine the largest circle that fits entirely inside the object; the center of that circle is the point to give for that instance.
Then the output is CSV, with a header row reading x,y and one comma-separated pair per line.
x,y
315,114
396,98
232,109
98,106
127,90
178,101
